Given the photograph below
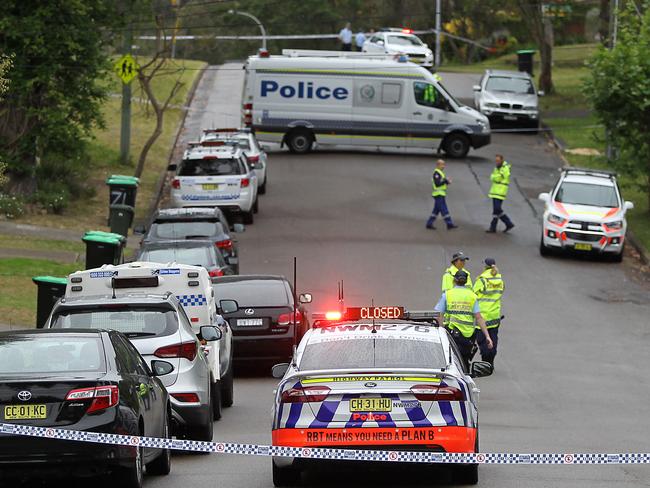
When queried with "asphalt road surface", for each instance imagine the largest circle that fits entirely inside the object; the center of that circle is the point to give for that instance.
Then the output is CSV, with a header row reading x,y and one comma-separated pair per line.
x,y
571,374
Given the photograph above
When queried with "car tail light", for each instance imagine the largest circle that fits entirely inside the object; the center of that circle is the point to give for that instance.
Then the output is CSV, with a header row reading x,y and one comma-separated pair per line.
x,y
210,157
103,397
245,182
248,114
212,144
185,350
225,245
215,272
287,318
434,393
306,394
186,397
253,160
176,183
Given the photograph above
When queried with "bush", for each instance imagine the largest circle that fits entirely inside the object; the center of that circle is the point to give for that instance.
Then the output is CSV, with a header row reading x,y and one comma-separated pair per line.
x,y
11,206
54,197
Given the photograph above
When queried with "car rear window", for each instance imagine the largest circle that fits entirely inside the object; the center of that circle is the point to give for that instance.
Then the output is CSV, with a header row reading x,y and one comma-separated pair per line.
x,y
373,353
196,256
41,353
184,230
254,293
132,321
211,167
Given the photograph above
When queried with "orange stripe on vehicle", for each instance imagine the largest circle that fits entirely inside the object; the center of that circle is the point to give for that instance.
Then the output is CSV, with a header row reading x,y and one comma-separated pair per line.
x,y
450,438
561,208
611,212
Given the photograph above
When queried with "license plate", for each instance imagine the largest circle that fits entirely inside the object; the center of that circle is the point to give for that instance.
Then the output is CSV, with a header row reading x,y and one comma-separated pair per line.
x,y
210,186
509,117
249,322
370,405
583,247
25,412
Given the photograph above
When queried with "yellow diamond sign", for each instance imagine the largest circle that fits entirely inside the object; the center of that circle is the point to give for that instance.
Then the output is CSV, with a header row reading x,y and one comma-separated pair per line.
x,y
126,68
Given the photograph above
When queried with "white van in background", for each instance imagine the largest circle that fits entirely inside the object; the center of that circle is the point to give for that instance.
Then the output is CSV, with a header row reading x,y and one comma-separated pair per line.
x,y
332,97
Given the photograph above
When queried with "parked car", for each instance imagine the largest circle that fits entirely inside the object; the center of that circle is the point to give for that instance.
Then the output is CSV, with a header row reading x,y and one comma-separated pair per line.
x,y
508,96
263,327
196,253
88,380
394,40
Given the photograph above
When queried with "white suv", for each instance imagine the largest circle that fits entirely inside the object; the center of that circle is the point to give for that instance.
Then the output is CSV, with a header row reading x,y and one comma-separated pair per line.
x,y
584,212
215,175
399,41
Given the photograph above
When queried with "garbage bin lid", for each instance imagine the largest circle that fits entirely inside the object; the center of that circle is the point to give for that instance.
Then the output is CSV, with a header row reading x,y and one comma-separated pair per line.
x,y
102,239
527,51
50,279
105,234
123,180
124,208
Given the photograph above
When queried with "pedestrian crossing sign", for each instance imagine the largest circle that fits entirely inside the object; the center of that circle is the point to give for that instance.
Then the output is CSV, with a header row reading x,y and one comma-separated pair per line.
x,y
126,68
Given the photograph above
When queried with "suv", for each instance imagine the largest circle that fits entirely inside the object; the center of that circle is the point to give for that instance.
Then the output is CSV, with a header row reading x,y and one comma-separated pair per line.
x,y
399,41
203,223
159,329
196,253
215,176
508,96
585,212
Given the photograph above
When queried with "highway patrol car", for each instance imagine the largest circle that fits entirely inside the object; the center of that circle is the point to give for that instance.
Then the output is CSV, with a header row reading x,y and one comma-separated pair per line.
x,y
390,384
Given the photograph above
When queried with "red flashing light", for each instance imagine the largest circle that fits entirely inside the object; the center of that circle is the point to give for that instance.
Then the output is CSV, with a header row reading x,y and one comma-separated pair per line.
x,y
407,31
212,144
185,350
210,157
176,184
333,315
215,272
245,182
264,53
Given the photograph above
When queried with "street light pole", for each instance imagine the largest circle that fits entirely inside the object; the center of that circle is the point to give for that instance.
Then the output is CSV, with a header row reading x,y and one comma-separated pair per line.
x,y
438,33
254,19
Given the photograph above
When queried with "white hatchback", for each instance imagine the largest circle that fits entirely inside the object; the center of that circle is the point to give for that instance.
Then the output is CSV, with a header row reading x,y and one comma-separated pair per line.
x,y
584,212
399,41
215,176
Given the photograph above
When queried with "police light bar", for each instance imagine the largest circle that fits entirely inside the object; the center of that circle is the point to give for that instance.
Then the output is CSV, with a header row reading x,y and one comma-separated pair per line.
x,y
136,282
212,143
215,131
406,30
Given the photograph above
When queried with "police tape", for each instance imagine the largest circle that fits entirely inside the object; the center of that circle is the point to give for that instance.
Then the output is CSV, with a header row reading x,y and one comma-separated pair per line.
x,y
325,453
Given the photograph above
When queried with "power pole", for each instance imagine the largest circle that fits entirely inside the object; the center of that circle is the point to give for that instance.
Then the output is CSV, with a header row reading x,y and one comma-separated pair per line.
x,y
125,130
175,9
438,33
610,151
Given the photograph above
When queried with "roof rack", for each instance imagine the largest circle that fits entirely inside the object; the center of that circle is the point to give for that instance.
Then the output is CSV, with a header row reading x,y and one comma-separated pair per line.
x,y
591,172
314,53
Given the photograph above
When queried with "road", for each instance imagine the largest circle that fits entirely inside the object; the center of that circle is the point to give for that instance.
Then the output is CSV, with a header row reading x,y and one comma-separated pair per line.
x,y
571,374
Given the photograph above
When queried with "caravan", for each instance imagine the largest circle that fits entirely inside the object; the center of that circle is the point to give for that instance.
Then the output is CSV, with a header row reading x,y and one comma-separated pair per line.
x,y
331,97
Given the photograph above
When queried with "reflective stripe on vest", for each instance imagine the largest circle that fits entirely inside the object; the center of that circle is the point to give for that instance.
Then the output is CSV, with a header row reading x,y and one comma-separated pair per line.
x,y
460,306
439,191
489,297
499,189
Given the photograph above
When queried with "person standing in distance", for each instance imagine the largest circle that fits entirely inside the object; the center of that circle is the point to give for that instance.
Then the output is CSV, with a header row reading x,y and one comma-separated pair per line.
x,y
489,288
439,194
460,305
359,39
457,264
500,178
346,38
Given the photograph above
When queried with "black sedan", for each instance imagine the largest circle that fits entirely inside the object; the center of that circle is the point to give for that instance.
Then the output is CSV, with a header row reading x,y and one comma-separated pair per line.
x,y
80,379
196,253
263,327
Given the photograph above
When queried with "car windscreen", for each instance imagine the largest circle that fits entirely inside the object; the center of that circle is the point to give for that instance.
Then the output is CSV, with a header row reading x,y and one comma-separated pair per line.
x,y
133,321
585,194
196,256
254,293
184,230
404,41
510,85
50,354
211,167
373,353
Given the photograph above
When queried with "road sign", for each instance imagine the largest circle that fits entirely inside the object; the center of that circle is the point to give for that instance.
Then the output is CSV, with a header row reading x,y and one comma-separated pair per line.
x,y
126,68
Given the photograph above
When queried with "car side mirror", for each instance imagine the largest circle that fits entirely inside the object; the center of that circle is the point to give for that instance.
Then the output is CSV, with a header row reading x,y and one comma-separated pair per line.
x,y
305,298
172,167
480,369
232,260
540,93
476,88
279,370
544,197
238,228
161,368
139,230
380,42
228,306
629,205
210,333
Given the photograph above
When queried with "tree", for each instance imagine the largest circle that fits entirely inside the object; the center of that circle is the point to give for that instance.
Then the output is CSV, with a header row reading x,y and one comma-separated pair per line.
x,y
542,31
619,90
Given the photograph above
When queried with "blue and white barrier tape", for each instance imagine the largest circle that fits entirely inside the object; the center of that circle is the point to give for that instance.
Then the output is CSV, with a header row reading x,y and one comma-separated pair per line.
x,y
327,453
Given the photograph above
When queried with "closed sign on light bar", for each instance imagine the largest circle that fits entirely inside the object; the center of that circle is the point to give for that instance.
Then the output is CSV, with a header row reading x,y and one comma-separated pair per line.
x,y
357,313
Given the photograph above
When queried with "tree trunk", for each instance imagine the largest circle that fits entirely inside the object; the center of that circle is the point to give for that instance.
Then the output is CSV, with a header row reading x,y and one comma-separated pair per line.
x,y
603,29
546,55
147,145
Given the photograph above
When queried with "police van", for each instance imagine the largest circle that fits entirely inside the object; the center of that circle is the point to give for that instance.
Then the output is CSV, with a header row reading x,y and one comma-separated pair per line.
x,y
190,284
330,97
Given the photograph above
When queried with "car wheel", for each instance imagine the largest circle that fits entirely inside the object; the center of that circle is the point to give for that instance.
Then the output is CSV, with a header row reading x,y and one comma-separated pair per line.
x,y
300,141
262,188
618,258
456,145
227,387
285,476
543,248
247,217
131,477
162,465
215,392
203,432
256,206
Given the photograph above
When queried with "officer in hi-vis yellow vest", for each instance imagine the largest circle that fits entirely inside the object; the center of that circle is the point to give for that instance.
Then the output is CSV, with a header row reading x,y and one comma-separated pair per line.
x,y
461,305
489,288
439,194
500,178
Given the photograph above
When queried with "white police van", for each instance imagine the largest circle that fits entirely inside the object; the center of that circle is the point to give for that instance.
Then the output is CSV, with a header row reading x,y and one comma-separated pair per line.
x,y
190,284
331,97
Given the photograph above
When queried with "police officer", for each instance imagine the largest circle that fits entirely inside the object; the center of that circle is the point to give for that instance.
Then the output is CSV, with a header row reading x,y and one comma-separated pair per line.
x,y
457,263
489,288
439,194
500,178
461,305
345,36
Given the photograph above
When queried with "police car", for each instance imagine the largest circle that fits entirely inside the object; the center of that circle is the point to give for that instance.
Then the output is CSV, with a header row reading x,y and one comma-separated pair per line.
x,y
379,378
586,213
215,174
394,40
247,142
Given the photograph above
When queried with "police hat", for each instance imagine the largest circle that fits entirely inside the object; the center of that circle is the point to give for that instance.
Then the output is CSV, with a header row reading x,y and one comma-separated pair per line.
x,y
461,276
490,262
459,255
